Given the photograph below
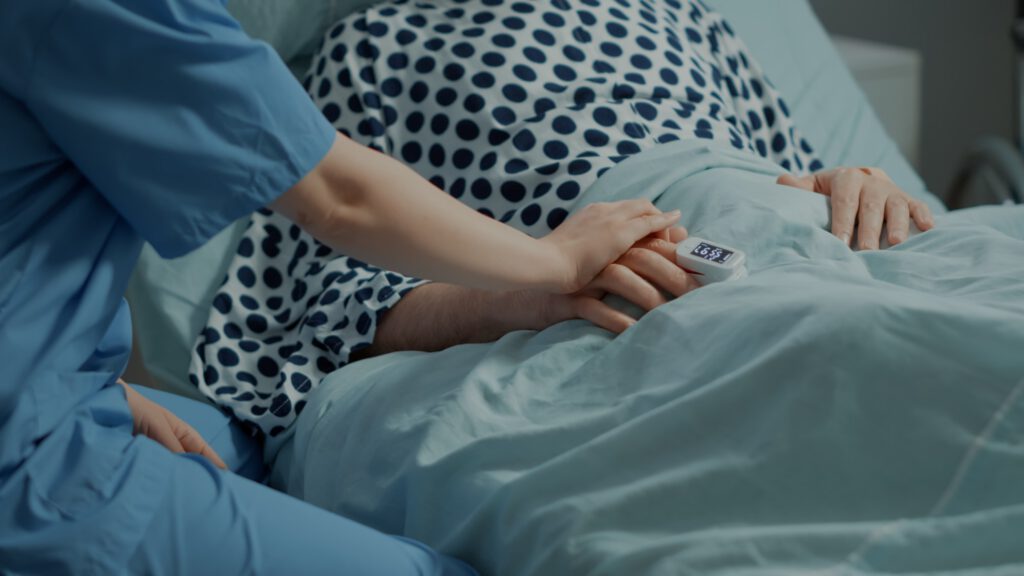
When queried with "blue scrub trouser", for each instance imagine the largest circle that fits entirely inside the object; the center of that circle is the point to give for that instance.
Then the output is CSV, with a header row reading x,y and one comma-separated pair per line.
x,y
213,522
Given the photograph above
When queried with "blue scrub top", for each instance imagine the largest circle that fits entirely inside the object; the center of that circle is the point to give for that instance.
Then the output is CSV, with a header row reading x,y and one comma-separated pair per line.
x,y
122,121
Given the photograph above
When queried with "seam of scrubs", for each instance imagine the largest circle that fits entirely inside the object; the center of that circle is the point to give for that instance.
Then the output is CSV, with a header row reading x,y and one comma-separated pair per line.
x,y
91,559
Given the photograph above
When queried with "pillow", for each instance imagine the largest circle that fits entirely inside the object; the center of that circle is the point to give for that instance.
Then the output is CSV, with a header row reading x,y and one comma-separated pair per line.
x,y
292,27
170,300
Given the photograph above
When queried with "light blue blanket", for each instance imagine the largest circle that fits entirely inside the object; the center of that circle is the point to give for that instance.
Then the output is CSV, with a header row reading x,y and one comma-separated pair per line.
x,y
833,413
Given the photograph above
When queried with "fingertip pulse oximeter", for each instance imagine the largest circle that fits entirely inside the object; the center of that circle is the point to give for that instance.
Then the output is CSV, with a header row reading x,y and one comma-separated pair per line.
x,y
710,261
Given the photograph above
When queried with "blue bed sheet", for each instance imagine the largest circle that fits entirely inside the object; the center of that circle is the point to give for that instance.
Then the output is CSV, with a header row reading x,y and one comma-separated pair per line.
x,y
836,412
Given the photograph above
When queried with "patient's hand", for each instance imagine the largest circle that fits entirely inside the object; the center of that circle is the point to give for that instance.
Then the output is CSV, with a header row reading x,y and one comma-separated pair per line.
x,y
868,197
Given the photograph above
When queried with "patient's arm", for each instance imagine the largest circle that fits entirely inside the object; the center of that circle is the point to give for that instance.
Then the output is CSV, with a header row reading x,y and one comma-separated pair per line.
x,y
436,316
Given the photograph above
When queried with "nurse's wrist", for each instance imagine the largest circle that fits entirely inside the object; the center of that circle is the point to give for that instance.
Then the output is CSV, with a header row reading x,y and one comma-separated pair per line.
x,y
550,269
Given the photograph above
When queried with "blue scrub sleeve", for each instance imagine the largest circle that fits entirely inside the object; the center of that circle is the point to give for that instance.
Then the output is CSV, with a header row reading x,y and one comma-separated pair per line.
x,y
181,121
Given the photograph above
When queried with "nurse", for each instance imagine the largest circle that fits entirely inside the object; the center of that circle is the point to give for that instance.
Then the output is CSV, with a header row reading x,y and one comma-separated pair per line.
x,y
126,121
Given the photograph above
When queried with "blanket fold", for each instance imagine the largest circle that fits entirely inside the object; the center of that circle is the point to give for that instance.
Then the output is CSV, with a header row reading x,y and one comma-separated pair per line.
x,y
835,412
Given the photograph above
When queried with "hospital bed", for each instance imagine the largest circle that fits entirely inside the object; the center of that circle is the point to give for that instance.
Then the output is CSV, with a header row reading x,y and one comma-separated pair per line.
x,y
170,299
560,452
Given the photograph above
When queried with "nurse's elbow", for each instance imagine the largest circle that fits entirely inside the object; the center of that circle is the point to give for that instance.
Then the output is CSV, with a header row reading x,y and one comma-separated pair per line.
x,y
329,199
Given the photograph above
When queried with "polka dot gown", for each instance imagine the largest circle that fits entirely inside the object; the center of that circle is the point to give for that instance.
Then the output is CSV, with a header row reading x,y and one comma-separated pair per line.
x,y
514,108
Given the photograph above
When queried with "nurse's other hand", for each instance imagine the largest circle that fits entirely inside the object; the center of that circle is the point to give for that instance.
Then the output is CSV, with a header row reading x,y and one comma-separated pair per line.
x,y
646,275
601,233
158,423
869,198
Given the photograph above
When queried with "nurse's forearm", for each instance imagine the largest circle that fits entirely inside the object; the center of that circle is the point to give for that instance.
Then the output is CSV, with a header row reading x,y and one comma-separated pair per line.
x,y
369,206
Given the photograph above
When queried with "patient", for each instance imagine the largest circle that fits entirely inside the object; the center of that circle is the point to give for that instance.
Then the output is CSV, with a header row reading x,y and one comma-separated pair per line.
x,y
515,108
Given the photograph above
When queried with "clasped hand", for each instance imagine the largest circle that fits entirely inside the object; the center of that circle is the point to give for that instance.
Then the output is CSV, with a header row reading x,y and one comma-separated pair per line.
x,y
646,275
624,248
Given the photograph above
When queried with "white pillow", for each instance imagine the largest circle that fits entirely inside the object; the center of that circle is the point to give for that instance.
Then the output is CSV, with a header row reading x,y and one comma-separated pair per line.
x,y
292,27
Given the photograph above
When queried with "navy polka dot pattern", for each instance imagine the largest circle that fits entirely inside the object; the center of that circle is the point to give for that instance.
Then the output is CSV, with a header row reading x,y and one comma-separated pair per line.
x,y
515,108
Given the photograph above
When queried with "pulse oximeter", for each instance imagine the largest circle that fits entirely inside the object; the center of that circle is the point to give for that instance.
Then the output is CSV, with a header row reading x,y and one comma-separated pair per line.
x,y
710,261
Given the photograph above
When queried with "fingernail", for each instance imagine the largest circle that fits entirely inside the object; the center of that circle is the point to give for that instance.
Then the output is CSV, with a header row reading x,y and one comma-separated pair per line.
x,y
845,238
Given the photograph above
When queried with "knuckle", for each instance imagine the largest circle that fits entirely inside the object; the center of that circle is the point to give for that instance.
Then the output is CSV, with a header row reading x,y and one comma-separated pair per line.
x,y
897,205
648,244
847,173
680,284
615,271
844,205
652,298
641,254
875,172
872,205
634,253
661,245
847,201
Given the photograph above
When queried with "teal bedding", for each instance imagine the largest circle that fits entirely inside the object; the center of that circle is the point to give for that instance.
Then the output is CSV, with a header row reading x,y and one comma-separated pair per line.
x,y
836,412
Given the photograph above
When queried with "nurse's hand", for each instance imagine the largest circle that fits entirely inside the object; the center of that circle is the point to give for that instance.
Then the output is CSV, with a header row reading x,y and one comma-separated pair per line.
x,y
868,197
646,275
601,233
158,423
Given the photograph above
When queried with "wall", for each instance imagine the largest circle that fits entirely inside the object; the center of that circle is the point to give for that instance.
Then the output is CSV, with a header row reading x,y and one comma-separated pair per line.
x,y
968,67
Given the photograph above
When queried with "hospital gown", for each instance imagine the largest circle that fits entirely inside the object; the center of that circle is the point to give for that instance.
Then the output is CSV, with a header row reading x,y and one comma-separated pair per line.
x,y
125,121
514,108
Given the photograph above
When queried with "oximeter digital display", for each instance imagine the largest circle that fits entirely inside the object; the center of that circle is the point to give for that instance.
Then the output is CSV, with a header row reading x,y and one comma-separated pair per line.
x,y
711,252
710,261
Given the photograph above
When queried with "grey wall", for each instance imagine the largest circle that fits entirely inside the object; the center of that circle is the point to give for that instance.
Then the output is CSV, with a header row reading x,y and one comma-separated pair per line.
x,y
968,67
